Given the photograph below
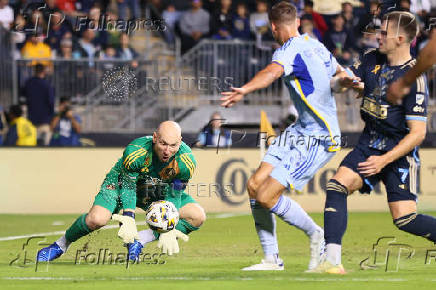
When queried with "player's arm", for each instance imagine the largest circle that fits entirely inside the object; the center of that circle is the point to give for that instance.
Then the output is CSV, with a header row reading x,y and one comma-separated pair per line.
x,y
426,59
350,77
415,105
131,166
345,79
374,164
187,164
132,163
418,130
262,79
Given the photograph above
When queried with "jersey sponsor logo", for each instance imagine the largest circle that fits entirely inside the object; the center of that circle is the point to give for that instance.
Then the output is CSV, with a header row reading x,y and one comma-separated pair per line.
x,y
376,110
418,109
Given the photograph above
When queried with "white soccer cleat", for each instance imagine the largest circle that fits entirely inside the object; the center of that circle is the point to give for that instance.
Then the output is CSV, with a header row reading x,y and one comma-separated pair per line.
x,y
266,266
317,249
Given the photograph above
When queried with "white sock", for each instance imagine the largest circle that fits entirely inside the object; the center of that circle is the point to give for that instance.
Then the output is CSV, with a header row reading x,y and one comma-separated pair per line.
x,y
333,253
272,258
266,229
146,236
63,243
292,213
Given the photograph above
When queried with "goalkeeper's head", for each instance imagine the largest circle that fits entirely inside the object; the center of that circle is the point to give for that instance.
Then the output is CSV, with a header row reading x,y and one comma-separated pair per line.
x,y
167,140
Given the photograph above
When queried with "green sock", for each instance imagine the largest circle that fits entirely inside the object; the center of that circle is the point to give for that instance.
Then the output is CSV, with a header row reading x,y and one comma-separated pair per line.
x,y
77,230
185,227
182,226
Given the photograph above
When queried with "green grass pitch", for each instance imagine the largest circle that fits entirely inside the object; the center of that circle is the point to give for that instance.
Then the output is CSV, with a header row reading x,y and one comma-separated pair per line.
x,y
213,257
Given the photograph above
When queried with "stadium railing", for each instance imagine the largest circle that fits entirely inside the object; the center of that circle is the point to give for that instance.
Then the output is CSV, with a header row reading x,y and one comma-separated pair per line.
x,y
107,93
169,90
228,63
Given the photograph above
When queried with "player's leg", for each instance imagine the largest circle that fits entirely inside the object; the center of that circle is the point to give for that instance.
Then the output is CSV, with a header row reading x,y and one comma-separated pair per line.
x,y
264,220
402,186
100,213
297,168
344,182
406,218
192,216
96,218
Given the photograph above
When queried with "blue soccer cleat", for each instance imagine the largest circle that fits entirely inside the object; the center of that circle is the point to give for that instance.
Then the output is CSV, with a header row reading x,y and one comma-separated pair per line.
x,y
49,253
135,250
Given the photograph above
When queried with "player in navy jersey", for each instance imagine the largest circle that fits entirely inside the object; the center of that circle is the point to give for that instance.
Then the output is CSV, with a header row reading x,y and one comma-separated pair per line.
x,y
387,150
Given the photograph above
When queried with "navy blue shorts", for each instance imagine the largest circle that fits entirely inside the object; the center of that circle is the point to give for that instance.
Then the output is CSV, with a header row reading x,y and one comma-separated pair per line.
x,y
401,177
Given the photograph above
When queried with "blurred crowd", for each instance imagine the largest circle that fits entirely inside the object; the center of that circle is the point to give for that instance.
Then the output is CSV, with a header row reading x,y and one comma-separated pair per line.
x,y
68,29
50,28
36,121
346,27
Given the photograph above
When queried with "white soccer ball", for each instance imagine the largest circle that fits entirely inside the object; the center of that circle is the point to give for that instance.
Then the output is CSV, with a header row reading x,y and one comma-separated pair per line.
x,y
162,216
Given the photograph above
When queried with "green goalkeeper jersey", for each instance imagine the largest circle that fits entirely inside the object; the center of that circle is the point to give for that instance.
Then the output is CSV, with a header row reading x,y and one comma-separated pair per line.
x,y
143,178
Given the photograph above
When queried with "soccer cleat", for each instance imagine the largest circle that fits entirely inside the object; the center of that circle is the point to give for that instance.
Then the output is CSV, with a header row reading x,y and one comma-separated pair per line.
x,y
329,268
135,250
49,253
266,266
317,249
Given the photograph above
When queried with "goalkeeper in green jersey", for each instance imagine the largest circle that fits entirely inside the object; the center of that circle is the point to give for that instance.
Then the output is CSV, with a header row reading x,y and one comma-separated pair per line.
x,y
152,168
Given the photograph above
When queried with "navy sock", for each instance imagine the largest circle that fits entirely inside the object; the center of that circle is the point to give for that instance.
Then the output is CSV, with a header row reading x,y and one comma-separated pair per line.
x,y
335,212
419,225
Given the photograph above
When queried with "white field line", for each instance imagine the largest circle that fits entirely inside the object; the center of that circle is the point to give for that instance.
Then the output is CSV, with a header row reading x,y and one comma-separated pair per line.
x,y
11,238
295,279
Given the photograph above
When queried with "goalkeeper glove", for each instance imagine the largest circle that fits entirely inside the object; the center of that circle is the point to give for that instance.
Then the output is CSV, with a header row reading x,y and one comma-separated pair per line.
x,y
168,241
128,232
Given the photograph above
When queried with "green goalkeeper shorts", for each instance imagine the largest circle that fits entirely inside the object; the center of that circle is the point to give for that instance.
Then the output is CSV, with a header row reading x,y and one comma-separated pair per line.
x,y
109,195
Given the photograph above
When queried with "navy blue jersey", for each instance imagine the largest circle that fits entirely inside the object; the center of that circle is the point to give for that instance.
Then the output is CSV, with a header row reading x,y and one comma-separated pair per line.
x,y
386,124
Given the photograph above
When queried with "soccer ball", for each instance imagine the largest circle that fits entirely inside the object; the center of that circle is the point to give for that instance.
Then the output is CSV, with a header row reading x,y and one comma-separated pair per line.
x,y
162,216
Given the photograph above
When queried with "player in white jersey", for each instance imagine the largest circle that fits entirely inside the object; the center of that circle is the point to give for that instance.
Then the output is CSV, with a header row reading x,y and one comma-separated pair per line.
x,y
294,157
